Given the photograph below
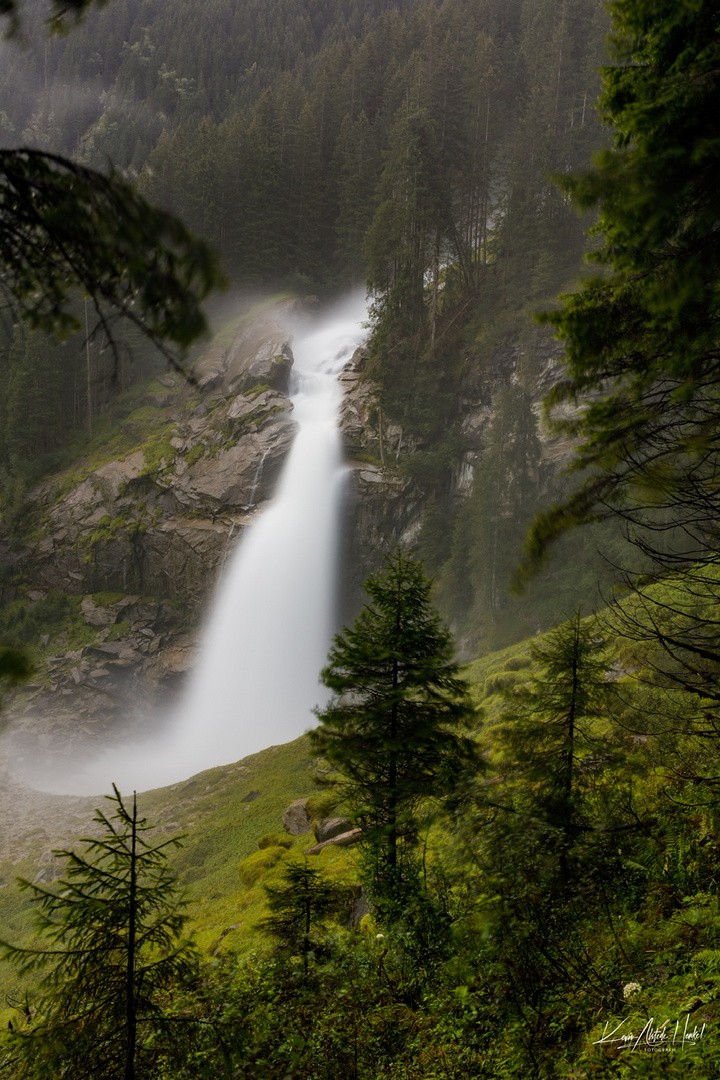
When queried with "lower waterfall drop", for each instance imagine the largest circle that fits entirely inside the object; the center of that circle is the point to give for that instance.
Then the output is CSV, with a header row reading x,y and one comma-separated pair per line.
x,y
271,622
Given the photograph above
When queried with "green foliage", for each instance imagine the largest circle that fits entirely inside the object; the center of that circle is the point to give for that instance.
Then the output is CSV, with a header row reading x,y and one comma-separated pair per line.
x,y
322,805
301,907
254,866
109,947
197,452
525,970
14,668
22,622
268,840
644,332
14,665
544,728
391,728
157,451
74,229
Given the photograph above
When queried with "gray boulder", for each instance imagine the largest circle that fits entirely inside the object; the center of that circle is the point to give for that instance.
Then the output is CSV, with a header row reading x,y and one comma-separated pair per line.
x,y
345,839
329,827
296,818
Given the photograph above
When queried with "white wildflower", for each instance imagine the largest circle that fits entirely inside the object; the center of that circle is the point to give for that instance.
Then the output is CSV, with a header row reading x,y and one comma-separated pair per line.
x,y
631,988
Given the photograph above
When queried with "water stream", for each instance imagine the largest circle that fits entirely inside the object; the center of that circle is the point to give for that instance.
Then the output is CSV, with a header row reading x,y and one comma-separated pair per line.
x,y
271,622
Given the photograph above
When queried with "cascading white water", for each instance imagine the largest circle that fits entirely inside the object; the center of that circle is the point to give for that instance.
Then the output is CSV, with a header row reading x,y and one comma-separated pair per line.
x,y
271,622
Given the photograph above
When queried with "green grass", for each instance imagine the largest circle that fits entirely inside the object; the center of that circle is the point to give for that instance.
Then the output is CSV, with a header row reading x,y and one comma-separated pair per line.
x,y
222,827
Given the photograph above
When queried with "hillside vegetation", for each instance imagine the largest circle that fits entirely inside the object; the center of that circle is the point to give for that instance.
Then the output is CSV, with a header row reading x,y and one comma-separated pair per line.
x,y
549,934
534,894
316,145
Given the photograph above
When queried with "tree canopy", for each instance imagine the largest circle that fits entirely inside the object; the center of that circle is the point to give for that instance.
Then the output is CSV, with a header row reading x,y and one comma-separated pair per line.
x,y
62,13
109,946
642,337
394,725
66,231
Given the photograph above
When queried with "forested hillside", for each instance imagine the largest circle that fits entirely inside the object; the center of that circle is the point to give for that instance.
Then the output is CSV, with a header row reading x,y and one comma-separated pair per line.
x,y
515,868
319,144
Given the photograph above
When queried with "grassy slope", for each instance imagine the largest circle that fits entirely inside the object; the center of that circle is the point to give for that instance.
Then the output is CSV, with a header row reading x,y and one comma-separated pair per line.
x,y
222,813
223,819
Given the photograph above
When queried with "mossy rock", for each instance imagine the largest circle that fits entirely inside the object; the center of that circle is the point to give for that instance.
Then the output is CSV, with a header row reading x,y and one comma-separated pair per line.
x,y
257,864
107,599
273,839
500,681
322,805
195,454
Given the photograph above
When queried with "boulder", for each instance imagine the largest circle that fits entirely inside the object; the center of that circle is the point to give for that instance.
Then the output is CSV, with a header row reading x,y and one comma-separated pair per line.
x,y
95,615
258,355
296,818
242,475
329,827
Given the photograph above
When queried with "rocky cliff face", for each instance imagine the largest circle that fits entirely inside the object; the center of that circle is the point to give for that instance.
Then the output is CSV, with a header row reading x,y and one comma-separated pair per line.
x,y
158,520
140,536
386,507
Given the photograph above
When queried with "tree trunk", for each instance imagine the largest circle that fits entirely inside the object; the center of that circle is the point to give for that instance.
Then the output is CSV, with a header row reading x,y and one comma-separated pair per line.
x,y
130,1014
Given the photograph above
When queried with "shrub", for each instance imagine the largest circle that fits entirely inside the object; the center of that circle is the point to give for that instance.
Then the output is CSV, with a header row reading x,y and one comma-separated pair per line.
x,y
321,805
501,680
517,663
257,864
273,839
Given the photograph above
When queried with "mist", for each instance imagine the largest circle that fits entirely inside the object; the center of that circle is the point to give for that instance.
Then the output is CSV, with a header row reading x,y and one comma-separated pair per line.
x,y
271,620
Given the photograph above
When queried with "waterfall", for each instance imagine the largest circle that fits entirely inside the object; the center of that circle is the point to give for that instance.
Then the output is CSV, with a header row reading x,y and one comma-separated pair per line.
x,y
272,618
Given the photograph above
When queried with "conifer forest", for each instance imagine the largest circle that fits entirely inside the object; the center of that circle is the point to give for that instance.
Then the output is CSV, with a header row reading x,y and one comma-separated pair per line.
x,y
494,853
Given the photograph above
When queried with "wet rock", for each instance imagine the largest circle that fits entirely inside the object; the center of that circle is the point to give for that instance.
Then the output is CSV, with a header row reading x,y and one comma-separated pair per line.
x,y
148,522
241,475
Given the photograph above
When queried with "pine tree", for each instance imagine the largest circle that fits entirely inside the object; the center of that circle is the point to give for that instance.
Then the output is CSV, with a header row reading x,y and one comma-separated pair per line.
x,y
487,541
301,907
642,338
392,726
65,229
547,727
109,948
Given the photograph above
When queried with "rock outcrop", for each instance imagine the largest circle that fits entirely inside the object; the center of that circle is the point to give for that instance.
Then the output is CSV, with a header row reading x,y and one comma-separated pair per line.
x,y
139,534
386,507
190,467
158,519
327,828
296,819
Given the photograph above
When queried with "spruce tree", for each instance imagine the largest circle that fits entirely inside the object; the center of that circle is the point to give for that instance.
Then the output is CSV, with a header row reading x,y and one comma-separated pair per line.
x,y
66,231
109,948
393,727
547,726
300,909
643,342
